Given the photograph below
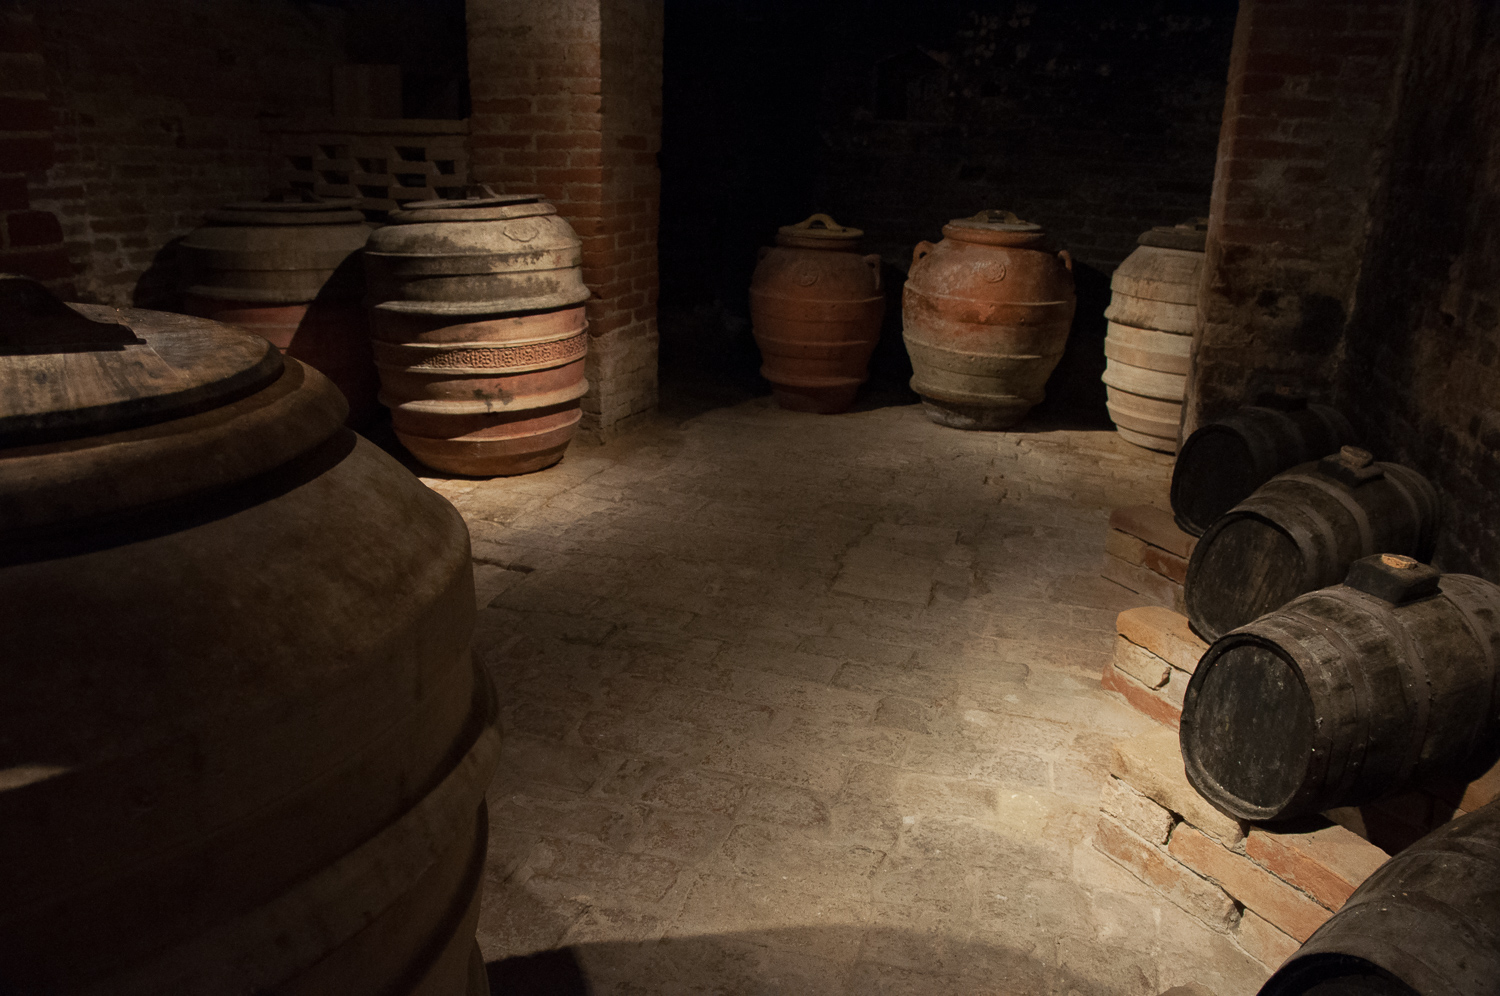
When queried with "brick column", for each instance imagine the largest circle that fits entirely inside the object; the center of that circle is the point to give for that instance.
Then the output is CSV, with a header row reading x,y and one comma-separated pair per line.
x,y
567,103
1305,135
31,241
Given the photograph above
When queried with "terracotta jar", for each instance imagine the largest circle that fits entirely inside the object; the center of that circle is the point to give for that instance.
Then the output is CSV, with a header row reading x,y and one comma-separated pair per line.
x,y
985,316
286,269
480,337
816,307
243,747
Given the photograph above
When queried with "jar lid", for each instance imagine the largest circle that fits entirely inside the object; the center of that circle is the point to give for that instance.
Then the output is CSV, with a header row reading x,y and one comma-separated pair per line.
x,y
69,371
480,203
289,206
992,220
822,228
1190,235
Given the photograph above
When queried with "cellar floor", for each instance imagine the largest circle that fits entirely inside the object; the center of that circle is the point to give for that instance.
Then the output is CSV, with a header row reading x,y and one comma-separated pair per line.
x,y
803,704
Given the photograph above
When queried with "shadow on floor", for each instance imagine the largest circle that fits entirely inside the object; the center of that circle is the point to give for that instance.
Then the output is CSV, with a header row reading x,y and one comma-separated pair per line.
x,y
802,960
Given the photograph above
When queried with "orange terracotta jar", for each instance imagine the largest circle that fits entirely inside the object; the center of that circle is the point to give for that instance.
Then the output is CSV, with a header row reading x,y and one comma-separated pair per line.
x,y
816,306
985,315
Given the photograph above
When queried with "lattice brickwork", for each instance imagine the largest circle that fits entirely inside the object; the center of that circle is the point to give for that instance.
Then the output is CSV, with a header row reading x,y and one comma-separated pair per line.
x,y
384,162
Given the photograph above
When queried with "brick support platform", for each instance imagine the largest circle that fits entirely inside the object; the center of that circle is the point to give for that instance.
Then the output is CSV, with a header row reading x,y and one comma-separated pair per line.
x,y
1147,553
567,102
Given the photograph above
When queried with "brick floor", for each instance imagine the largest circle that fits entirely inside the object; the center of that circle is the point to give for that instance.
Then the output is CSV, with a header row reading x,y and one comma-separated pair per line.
x,y
802,704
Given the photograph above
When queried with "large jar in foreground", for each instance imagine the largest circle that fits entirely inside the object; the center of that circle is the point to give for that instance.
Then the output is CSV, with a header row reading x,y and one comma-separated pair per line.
x,y
985,315
816,306
244,746
1151,318
479,332
285,268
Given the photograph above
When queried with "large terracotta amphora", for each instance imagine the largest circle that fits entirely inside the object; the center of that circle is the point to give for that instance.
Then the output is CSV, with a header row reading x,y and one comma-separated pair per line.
x,y
286,268
243,745
816,307
985,316
480,335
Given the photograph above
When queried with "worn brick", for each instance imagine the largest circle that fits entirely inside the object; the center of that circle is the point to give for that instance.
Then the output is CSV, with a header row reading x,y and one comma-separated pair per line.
x,y
1163,632
1151,822
1156,867
1152,764
1141,664
1264,942
1152,702
1137,551
1280,904
1150,585
1154,526
1328,863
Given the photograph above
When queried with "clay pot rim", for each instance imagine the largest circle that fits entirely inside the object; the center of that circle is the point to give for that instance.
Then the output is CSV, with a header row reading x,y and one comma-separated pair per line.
x,y
990,236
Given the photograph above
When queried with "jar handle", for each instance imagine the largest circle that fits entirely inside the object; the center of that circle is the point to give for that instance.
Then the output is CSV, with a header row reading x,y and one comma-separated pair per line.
x,y
873,262
1067,259
923,248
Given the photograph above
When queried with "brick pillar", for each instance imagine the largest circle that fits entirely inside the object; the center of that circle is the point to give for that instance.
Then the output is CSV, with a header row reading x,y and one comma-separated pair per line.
x,y
567,103
1305,135
31,241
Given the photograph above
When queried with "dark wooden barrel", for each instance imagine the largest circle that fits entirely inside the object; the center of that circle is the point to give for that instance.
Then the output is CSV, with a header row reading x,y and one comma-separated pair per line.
x,y
242,748
480,334
286,268
1223,462
1347,694
1427,922
1300,531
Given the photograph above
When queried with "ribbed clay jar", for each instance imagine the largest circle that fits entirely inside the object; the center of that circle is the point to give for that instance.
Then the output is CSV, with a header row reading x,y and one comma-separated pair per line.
x,y
1151,319
480,338
286,268
985,315
816,307
244,746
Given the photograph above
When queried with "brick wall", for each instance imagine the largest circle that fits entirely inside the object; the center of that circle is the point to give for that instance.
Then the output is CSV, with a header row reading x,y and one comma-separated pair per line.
x,y
1304,140
157,109
566,101
31,240
1423,349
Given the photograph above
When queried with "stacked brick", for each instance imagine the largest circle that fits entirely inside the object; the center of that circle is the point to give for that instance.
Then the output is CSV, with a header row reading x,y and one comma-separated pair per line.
x,y
31,241
1147,553
567,103
1268,891
1154,656
381,161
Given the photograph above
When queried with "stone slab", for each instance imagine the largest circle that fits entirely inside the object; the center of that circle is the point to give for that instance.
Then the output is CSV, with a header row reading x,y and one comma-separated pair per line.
x,y
1152,765
1155,526
1163,632
1280,904
1328,863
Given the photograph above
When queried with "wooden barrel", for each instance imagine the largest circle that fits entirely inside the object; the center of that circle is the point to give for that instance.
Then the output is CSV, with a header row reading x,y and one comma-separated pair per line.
x,y
1152,316
1347,694
1427,922
479,329
985,315
1300,531
815,309
260,766
1227,459
286,269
